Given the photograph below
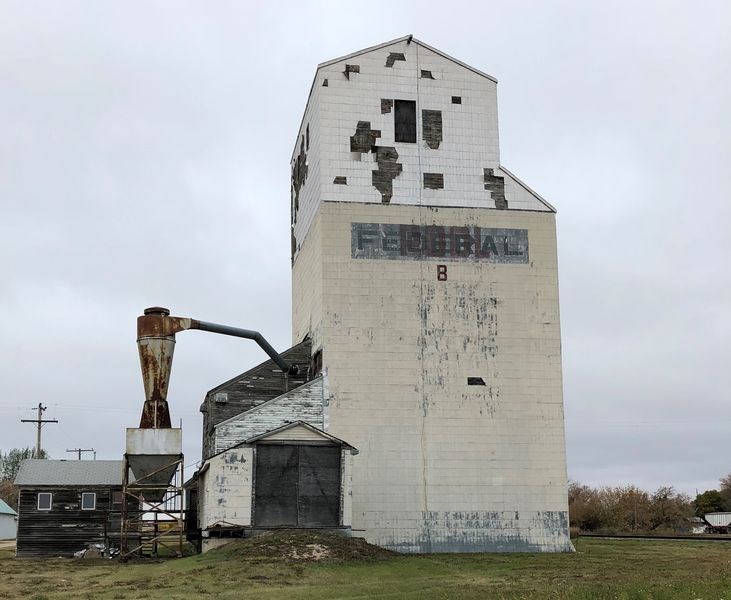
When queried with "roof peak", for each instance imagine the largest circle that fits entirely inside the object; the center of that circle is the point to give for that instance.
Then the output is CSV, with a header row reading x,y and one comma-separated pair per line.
x,y
409,39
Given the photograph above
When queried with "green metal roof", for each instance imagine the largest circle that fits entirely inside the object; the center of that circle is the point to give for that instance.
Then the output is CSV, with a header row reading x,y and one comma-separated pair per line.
x,y
6,510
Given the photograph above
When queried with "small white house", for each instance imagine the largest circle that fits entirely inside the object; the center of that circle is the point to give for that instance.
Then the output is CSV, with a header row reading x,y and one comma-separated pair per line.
x,y
8,522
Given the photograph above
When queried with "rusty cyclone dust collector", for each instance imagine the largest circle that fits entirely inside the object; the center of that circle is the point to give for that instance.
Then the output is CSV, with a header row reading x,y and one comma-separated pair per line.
x,y
154,447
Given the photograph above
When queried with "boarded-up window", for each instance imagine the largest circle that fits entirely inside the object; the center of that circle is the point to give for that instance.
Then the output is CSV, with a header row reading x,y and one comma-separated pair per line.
x,y
404,118
297,486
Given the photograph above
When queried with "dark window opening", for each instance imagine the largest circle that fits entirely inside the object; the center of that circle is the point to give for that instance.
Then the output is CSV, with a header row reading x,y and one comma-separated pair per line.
x,y
404,119
475,381
316,365
456,99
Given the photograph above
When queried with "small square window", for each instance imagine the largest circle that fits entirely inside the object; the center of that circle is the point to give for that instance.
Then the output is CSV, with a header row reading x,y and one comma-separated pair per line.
x,y
44,501
88,501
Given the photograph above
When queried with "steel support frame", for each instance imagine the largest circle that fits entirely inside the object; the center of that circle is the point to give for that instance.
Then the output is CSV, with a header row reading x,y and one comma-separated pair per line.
x,y
136,536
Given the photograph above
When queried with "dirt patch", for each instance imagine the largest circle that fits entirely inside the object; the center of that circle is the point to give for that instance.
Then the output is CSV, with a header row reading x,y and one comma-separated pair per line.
x,y
298,546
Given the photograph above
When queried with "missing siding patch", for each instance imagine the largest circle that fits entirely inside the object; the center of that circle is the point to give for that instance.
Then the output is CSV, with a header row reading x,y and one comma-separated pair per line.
x,y
393,57
426,74
339,180
386,106
307,137
475,381
388,170
299,176
364,139
496,186
431,123
324,83
434,181
351,69
456,99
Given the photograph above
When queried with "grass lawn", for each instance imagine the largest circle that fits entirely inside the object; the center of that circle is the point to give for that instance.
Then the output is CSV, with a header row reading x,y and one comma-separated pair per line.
x,y
599,569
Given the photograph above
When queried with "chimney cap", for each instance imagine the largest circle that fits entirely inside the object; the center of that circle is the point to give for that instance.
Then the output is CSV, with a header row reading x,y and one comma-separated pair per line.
x,y
157,310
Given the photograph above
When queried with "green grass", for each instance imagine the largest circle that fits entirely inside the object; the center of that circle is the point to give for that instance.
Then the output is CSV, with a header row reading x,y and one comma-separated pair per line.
x,y
599,569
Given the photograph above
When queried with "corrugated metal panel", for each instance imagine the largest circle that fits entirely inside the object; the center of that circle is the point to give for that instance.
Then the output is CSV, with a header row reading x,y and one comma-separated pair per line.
x,y
35,472
721,519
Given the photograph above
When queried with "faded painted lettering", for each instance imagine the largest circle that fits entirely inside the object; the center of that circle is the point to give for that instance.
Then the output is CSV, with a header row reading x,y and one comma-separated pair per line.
x,y
431,242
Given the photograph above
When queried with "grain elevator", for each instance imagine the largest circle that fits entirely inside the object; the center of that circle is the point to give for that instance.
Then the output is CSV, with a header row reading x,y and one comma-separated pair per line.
x,y
424,275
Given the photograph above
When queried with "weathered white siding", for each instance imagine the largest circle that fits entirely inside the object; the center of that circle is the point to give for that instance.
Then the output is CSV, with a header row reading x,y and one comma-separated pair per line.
x,y
443,465
304,403
225,489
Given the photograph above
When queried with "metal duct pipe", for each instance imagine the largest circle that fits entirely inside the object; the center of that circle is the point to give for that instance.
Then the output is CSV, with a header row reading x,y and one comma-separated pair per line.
x,y
156,331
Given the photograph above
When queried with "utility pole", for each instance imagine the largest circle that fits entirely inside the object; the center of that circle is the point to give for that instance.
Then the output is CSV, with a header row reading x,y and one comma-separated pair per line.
x,y
39,422
80,450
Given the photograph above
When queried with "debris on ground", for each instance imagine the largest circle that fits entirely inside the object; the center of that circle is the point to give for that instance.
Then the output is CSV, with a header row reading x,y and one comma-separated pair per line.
x,y
307,546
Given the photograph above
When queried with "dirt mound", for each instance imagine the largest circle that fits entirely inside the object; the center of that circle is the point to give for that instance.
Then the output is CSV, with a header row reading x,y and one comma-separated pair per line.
x,y
305,546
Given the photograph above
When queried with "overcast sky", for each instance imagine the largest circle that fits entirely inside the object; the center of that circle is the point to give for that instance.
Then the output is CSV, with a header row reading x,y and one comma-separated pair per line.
x,y
144,160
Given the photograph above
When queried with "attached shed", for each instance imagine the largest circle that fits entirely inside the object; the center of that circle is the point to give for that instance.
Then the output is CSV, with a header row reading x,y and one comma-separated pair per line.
x,y
293,476
8,522
66,505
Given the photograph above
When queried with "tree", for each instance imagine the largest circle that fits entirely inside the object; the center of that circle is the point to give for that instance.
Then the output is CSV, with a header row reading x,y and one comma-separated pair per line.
x,y
9,465
584,507
708,502
725,491
10,462
669,510
9,493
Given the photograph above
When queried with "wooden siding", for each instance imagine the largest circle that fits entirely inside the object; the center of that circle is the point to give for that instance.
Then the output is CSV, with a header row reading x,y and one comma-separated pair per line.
x,y
65,528
304,403
252,388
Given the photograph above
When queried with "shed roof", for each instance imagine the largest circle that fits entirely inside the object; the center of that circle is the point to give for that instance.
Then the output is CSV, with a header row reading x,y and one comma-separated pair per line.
x,y
6,510
41,472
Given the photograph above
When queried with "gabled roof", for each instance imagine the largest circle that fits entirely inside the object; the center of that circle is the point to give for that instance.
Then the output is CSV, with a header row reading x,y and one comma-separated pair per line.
x,y
294,424
411,39
43,472
6,510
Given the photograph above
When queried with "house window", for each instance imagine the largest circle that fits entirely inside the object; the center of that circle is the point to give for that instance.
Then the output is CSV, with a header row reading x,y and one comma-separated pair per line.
x,y
44,501
88,501
404,119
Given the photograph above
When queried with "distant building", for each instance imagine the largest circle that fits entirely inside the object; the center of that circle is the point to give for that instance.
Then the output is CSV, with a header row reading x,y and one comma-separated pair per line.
x,y
66,505
8,522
